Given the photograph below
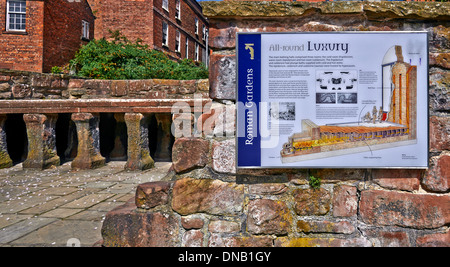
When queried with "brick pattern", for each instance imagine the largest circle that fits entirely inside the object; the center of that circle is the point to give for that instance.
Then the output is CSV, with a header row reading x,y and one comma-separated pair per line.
x,y
52,36
144,19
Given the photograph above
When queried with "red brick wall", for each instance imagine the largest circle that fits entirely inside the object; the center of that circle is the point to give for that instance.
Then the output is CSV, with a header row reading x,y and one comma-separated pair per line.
x,y
63,31
133,18
52,37
23,51
186,27
143,19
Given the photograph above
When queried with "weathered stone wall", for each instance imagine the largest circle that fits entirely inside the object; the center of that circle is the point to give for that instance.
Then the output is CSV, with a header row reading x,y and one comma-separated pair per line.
x,y
204,202
33,86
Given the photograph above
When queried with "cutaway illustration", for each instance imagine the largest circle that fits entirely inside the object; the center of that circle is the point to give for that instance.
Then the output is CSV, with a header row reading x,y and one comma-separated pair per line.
x,y
393,123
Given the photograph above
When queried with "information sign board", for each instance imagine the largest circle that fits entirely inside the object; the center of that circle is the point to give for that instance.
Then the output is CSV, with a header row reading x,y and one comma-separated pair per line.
x,y
332,100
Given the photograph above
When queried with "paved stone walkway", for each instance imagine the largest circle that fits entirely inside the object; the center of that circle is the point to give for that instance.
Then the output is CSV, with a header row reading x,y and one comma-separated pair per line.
x,y
60,206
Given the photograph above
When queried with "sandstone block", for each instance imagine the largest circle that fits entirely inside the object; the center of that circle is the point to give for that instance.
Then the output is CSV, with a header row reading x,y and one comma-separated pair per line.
x,y
119,88
138,150
437,178
321,242
192,238
189,153
267,189
407,180
439,133
220,226
345,201
205,195
41,141
219,121
418,211
5,160
152,194
342,227
191,222
382,238
21,91
222,76
434,240
224,156
311,201
223,37
88,153
266,216
219,240
124,227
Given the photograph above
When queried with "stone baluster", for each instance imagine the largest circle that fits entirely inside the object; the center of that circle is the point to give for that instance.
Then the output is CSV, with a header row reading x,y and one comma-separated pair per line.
x,y
88,154
5,160
163,151
41,141
138,150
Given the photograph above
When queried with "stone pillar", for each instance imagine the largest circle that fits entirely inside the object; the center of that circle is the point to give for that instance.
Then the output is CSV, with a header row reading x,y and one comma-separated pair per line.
x,y
88,155
138,150
119,151
164,122
5,160
41,141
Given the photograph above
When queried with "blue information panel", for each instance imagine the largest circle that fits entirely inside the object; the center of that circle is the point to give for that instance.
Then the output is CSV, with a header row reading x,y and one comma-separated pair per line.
x,y
332,100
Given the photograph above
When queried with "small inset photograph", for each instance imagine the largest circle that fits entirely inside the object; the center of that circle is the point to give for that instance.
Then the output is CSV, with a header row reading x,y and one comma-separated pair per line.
x,y
282,111
347,98
336,81
325,98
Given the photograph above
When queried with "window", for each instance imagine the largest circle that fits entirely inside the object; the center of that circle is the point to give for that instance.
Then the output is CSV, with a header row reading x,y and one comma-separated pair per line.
x,y
165,34
165,4
196,26
178,10
187,47
16,15
85,29
177,42
196,52
204,33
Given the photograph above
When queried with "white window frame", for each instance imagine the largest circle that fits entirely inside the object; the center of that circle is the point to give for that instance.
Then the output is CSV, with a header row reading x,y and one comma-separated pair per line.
x,y
9,13
165,31
196,26
197,54
177,41
178,9
85,29
187,47
204,33
165,5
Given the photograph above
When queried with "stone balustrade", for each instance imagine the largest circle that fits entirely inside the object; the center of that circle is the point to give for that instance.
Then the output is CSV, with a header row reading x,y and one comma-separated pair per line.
x,y
41,97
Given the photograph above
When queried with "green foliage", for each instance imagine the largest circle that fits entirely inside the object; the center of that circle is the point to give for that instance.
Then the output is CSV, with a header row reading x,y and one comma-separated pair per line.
x,y
56,70
121,59
314,182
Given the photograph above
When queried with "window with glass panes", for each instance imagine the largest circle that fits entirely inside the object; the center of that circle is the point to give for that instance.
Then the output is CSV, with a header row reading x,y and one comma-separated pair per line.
x,y
16,15
177,42
165,34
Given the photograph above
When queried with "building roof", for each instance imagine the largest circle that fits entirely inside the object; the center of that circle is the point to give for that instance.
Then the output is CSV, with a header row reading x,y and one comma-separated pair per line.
x,y
356,129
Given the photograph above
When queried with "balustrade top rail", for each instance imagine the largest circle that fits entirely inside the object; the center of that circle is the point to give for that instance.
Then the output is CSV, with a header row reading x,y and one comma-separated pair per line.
x,y
99,105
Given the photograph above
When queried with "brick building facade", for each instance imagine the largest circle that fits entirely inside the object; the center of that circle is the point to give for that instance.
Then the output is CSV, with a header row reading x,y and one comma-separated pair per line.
x,y
176,27
38,35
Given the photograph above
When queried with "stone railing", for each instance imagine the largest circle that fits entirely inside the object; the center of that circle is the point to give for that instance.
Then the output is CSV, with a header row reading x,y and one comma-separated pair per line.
x,y
41,97
208,203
